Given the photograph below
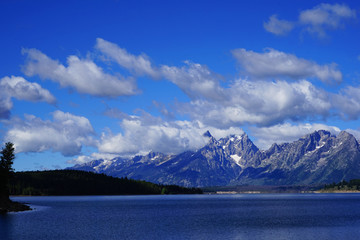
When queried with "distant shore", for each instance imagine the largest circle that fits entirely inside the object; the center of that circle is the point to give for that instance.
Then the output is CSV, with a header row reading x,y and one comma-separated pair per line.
x,y
337,191
248,189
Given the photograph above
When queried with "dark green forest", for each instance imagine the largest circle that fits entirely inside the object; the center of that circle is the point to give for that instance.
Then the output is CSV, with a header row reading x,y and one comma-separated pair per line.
x,y
74,182
352,185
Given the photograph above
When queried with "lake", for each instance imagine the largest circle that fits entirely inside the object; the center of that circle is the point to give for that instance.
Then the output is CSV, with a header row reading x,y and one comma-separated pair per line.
x,y
239,216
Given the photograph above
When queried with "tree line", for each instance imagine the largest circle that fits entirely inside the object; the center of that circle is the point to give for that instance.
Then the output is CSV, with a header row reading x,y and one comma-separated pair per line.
x,y
7,157
75,182
71,182
352,185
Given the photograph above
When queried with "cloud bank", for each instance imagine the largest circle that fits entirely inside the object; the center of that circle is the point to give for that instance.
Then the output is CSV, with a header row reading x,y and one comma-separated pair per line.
x,y
281,133
145,133
275,88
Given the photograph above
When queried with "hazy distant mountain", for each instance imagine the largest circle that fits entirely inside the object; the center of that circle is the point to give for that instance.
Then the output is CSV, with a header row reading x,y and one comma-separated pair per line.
x,y
315,158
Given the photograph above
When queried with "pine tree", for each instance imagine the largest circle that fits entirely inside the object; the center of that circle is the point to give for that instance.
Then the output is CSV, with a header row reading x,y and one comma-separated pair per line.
x,y
6,161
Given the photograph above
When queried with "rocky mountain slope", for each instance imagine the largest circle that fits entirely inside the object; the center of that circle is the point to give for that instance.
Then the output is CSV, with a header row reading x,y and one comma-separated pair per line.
x,y
313,159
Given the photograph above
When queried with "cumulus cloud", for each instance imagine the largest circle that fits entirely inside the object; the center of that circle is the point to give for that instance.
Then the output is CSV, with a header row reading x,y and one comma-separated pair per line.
x,y
263,103
195,80
348,102
140,65
260,103
242,101
94,156
273,63
21,89
5,107
317,20
277,26
66,133
81,74
325,16
286,132
145,133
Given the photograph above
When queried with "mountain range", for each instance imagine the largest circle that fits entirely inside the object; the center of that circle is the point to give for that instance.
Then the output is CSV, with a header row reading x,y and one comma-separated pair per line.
x,y
316,158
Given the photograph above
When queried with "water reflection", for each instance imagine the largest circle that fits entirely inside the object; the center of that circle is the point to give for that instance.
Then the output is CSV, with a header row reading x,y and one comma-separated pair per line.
x,y
5,226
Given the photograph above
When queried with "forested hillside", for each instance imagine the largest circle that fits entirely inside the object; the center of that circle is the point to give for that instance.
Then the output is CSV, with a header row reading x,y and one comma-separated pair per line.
x,y
73,182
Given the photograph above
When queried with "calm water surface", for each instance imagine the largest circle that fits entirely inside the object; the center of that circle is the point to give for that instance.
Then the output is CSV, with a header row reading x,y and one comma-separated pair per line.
x,y
255,216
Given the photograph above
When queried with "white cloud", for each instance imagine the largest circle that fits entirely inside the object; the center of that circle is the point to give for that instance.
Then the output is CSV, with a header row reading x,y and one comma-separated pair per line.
x,y
66,133
260,103
347,102
325,16
19,88
277,26
273,63
242,101
81,74
286,132
220,108
147,133
317,20
195,80
94,156
140,65
5,107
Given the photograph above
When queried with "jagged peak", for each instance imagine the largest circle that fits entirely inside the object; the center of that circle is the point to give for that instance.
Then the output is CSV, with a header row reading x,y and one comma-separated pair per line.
x,y
274,146
207,134
344,134
212,140
323,132
318,134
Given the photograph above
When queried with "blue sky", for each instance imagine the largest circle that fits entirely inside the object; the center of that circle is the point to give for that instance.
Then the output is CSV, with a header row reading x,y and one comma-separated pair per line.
x,y
119,78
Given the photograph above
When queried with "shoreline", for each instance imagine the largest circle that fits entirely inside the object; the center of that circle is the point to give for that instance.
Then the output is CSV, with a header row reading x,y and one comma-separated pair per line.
x,y
11,206
338,191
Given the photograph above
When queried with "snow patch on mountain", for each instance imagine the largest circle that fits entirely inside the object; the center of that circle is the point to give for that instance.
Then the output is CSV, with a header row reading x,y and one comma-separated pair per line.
x,y
237,159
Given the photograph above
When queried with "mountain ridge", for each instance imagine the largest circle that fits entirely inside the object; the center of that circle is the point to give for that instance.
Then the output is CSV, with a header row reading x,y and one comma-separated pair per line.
x,y
316,158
